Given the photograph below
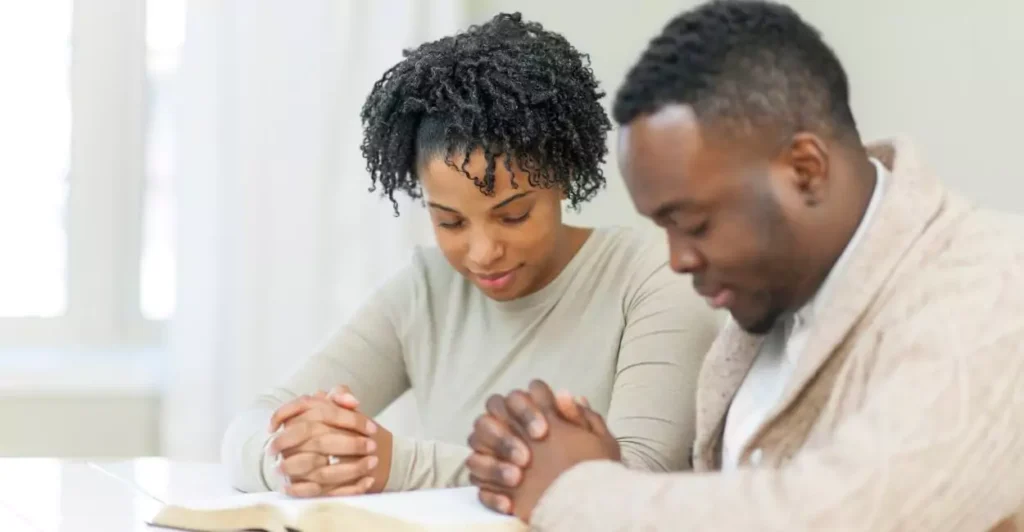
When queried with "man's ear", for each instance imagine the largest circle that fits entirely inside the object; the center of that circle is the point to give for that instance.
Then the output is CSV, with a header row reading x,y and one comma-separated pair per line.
x,y
807,158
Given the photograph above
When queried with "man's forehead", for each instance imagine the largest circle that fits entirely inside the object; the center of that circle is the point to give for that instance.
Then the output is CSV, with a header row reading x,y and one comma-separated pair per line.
x,y
667,131
655,151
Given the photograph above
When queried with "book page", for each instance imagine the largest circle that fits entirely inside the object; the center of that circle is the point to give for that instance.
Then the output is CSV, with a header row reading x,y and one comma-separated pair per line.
x,y
439,508
428,507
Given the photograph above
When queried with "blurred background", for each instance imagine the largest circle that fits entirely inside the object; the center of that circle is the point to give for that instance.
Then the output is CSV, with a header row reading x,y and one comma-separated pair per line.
x,y
184,212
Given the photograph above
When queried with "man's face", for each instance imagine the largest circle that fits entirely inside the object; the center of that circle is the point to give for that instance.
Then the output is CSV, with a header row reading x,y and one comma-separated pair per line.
x,y
730,214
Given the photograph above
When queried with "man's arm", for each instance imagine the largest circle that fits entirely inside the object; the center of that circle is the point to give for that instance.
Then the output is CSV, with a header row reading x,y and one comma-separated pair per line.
x,y
939,445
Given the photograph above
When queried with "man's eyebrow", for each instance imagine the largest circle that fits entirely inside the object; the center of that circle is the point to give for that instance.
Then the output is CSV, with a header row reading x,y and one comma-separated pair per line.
x,y
669,208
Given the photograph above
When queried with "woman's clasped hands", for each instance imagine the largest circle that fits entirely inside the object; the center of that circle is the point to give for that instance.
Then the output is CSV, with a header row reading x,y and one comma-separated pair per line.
x,y
325,447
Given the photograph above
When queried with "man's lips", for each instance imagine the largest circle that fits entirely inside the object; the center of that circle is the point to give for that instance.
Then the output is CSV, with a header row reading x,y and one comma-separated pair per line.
x,y
718,298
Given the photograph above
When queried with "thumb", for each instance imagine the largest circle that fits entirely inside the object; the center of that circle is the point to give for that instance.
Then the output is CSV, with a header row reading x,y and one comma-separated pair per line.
x,y
343,397
570,409
596,422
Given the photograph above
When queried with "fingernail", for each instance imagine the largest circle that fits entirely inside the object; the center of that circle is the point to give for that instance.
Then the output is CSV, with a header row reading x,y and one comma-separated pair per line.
x,y
536,428
367,483
510,475
373,462
371,427
371,446
519,456
504,506
349,398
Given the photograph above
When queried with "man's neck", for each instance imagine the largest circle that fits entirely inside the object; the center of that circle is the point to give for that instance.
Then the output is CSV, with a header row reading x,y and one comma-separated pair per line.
x,y
850,204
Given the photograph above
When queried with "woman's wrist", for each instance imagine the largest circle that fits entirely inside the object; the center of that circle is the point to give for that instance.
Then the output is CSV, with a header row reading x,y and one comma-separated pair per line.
x,y
384,442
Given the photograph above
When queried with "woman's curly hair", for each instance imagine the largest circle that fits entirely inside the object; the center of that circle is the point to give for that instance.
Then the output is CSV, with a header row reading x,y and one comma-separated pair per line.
x,y
508,87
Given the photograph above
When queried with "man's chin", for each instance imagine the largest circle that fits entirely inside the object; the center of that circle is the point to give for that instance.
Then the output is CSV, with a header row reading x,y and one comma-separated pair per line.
x,y
759,325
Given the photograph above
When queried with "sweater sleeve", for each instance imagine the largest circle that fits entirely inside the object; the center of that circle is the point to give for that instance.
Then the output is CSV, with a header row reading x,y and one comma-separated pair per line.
x,y
427,464
937,445
365,354
668,332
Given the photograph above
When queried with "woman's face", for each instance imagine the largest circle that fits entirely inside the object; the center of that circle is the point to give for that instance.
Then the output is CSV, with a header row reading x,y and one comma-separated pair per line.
x,y
506,244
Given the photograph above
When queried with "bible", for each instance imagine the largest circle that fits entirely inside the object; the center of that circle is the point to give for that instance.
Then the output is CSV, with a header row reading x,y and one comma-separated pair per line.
x,y
455,510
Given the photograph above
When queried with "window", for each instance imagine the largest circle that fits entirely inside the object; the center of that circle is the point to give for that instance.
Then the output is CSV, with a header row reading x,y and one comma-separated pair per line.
x,y
86,171
165,35
35,136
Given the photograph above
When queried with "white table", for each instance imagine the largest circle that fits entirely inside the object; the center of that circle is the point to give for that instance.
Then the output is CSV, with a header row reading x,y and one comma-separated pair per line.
x,y
50,495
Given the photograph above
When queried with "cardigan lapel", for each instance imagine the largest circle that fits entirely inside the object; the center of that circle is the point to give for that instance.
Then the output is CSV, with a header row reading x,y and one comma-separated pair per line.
x,y
911,201
724,369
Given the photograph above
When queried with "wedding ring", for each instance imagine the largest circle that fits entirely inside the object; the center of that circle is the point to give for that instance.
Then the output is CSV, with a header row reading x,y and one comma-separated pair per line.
x,y
331,460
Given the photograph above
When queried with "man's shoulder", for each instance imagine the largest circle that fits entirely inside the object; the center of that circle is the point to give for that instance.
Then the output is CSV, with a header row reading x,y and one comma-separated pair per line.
x,y
968,284
983,242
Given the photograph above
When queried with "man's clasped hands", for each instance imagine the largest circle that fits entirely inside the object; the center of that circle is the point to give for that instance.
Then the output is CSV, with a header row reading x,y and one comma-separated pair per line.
x,y
522,443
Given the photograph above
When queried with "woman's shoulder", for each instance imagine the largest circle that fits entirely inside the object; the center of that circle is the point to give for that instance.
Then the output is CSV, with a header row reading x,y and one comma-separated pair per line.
x,y
425,273
636,265
629,251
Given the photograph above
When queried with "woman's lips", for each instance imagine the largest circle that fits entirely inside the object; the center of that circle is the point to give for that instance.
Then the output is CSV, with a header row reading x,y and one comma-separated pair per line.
x,y
496,281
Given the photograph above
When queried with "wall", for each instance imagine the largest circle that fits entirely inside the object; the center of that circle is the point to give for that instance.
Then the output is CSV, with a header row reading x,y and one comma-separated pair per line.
x,y
93,426
613,35
948,76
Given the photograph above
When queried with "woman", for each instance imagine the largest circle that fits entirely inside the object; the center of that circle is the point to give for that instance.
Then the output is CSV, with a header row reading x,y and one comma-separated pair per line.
x,y
495,128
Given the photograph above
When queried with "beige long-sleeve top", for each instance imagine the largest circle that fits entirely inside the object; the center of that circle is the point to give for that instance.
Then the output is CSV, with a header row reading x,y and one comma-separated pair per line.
x,y
617,326
904,412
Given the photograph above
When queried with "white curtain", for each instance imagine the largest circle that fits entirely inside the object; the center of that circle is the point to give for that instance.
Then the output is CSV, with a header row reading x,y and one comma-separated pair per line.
x,y
278,238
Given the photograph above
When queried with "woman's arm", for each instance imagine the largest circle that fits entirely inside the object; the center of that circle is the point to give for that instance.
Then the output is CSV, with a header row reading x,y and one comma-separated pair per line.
x,y
668,331
366,355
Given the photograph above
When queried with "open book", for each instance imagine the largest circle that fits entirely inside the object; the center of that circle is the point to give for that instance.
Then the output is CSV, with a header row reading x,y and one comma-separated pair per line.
x,y
427,510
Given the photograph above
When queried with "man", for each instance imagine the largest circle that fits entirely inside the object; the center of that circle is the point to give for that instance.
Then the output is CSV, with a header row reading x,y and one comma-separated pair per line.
x,y
872,374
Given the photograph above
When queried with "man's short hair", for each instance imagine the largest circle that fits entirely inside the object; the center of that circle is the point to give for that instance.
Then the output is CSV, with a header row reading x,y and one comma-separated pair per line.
x,y
746,67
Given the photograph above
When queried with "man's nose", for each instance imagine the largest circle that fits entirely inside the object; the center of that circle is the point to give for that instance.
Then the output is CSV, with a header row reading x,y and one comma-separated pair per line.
x,y
684,258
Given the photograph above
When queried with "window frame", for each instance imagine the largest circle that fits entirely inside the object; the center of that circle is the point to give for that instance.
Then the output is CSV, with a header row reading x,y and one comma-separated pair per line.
x,y
106,182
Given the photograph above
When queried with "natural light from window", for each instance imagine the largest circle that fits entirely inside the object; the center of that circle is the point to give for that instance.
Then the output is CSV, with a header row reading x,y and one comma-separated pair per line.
x,y
165,35
35,133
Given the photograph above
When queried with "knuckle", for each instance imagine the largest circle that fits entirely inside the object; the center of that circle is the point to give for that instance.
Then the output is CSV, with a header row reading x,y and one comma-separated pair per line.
x,y
506,446
341,417
480,423
517,397
366,465
494,401
320,475
475,462
473,441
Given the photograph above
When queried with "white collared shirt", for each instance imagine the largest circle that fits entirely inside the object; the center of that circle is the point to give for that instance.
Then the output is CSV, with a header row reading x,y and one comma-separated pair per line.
x,y
763,386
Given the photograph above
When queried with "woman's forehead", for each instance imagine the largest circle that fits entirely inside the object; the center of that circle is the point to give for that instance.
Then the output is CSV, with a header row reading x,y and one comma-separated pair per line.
x,y
448,183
